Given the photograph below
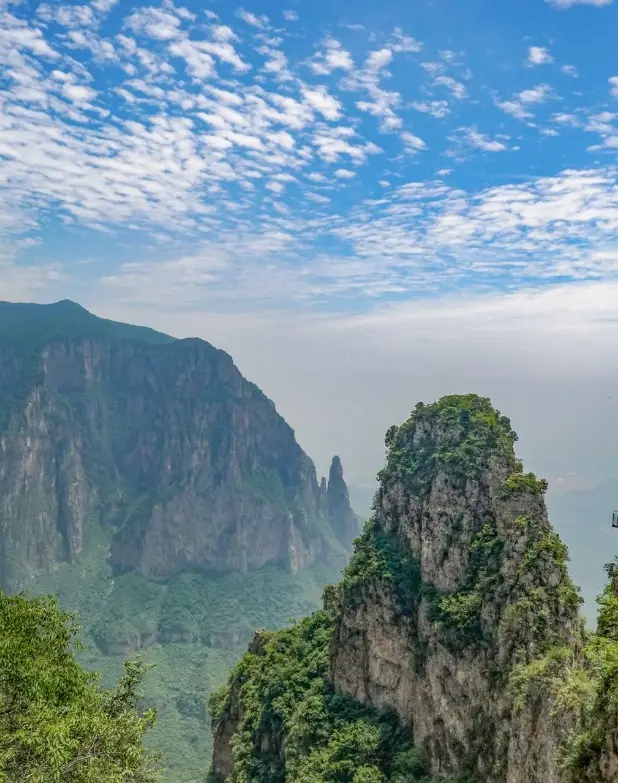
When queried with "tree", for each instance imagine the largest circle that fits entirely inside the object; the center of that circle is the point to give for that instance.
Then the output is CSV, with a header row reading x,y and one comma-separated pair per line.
x,y
56,722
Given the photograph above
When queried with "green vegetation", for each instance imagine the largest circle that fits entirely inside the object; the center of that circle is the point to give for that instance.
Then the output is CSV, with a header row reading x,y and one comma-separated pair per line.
x,y
32,325
458,613
25,329
582,681
56,723
519,482
379,559
137,435
286,699
538,605
462,436
201,623
459,433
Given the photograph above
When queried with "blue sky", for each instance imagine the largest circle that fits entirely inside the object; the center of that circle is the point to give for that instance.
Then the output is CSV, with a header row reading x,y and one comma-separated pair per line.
x,y
329,156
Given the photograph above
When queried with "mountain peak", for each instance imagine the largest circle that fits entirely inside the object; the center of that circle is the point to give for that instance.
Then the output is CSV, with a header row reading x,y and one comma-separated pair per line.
x,y
183,458
343,519
456,581
336,468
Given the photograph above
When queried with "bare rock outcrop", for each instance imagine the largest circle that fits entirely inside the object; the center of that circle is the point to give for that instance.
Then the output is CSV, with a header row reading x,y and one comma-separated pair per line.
x,y
162,442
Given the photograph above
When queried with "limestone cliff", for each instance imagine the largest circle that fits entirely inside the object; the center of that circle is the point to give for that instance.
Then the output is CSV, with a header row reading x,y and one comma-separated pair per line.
x,y
183,461
473,583
344,521
452,649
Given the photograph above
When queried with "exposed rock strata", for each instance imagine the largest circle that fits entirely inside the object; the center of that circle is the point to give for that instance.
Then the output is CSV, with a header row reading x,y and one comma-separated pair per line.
x,y
456,614
444,680
183,461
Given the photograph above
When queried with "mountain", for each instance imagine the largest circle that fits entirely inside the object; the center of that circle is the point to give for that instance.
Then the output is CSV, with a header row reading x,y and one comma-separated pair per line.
x,y
159,493
451,650
162,441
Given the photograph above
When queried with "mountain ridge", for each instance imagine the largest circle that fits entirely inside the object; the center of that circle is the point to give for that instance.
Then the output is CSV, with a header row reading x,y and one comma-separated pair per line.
x,y
163,439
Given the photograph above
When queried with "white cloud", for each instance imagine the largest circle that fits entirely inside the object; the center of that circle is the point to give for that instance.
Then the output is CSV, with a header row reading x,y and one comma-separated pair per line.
x,y
277,63
570,3
405,43
332,143
15,33
186,159
515,108
564,118
290,16
104,5
252,19
538,94
78,93
221,32
317,198
483,142
200,64
519,106
379,59
155,23
569,70
319,99
382,103
330,58
613,80
412,143
457,89
539,55
437,109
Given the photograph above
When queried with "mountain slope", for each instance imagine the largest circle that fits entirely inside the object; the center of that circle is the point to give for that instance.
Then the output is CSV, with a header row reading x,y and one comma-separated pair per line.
x,y
452,649
162,497
162,441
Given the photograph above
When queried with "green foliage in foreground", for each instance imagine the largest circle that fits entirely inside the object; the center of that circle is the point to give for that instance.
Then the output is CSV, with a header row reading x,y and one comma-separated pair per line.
x,y
56,723
583,684
328,738
184,673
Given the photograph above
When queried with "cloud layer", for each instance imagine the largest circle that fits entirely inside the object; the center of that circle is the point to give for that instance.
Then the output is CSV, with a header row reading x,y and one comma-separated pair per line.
x,y
252,158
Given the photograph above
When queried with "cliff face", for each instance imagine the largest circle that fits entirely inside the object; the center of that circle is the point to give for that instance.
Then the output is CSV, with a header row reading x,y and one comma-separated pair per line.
x,y
163,442
344,521
472,582
452,649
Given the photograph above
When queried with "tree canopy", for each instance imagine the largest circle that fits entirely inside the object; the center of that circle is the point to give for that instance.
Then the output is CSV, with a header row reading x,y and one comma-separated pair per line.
x,y
56,722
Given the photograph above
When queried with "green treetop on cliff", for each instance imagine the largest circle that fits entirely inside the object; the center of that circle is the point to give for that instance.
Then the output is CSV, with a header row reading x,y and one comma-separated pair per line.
x,y
460,432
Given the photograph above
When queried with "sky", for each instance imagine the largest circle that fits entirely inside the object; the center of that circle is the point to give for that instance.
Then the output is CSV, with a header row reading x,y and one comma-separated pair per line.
x,y
367,204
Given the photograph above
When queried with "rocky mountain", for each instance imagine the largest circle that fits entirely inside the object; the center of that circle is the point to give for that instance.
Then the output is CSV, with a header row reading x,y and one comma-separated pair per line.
x,y
161,496
346,523
453,648
161,441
